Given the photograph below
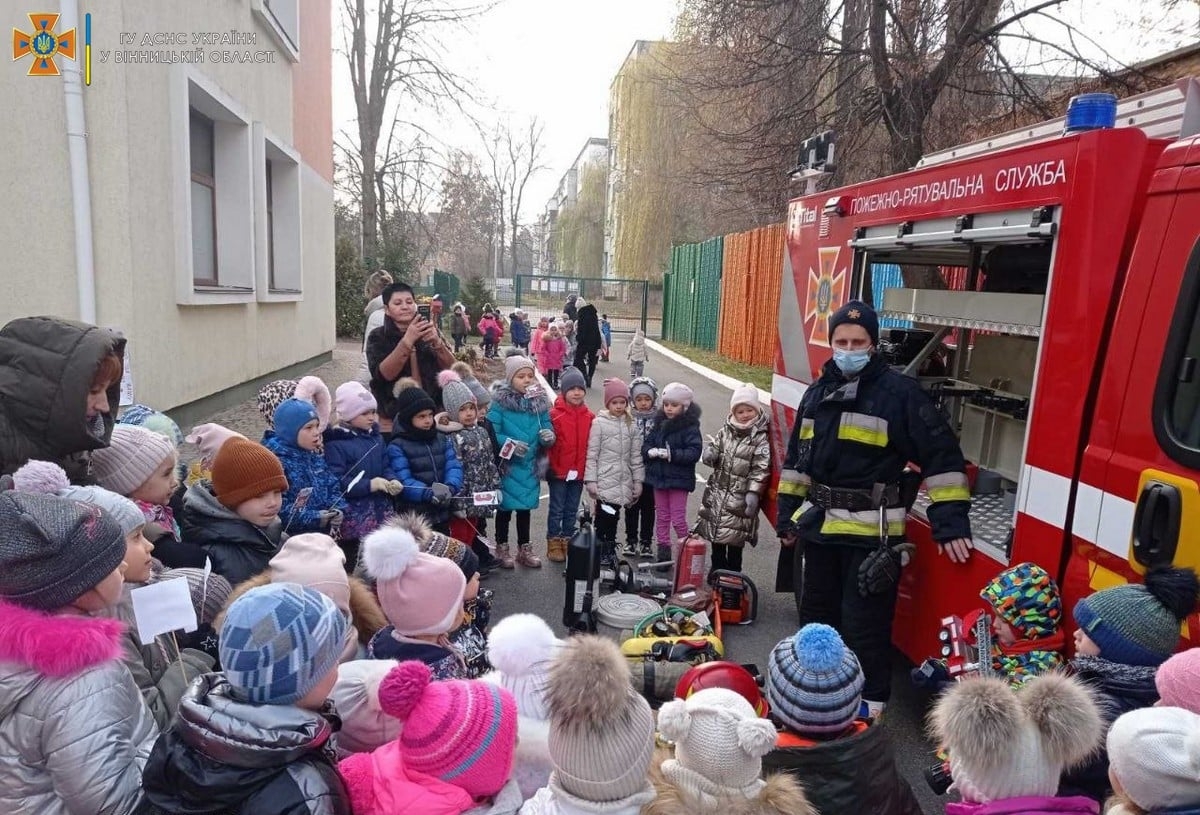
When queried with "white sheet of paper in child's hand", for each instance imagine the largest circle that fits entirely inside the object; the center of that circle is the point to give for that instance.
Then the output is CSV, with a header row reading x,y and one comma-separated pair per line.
x,y
485,499
162,607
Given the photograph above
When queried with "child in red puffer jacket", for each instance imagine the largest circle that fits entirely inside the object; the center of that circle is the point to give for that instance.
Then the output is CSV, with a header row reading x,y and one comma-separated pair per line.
x,y
572,420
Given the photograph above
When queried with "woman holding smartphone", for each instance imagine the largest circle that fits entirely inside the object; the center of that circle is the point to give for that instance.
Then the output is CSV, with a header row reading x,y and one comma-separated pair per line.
x,y
408,344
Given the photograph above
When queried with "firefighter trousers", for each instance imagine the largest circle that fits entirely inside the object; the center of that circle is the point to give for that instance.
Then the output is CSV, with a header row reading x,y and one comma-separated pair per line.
x,y
829,594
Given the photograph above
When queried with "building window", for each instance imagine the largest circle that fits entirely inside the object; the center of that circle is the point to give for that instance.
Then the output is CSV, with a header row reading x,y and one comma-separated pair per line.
x,y
213,186
278,227
270,232
204,200
1177,401
281,18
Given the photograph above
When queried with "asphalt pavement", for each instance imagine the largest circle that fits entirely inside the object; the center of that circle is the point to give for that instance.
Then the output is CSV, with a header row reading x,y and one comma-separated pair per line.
x,y
541,591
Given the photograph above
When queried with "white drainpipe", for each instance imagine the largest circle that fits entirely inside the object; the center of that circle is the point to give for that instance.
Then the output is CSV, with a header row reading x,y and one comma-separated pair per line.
x,y
81,188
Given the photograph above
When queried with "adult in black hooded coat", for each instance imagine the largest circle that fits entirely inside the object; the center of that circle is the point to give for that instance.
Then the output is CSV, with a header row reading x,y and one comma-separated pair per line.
x,y
60,385
588,339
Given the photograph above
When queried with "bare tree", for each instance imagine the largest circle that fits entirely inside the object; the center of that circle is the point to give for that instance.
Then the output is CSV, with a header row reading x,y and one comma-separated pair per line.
x,y
396,49
891,77
514,158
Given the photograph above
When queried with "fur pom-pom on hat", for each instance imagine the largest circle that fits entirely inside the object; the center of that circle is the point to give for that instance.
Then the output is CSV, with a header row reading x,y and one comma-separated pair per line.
x,y
312,389
42,477
1048,725
446,377
601,731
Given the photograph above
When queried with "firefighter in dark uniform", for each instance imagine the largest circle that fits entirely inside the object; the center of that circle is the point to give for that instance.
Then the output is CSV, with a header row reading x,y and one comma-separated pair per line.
x,y
858,427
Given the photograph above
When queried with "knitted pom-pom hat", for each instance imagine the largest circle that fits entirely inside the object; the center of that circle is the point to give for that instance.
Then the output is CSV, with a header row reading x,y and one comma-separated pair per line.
x,y
420,594
601,731
521,648
463,732
1139,624
814,682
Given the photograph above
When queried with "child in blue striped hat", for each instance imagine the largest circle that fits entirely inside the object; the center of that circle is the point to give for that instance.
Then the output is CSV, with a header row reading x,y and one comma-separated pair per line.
x,y
846,763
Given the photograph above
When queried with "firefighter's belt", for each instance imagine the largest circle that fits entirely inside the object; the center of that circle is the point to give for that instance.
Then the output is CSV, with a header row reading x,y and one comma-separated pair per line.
x,y
855,500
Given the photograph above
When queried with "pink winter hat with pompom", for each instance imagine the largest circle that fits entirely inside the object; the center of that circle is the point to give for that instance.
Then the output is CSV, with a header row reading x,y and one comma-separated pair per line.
x,y
420,594
463,732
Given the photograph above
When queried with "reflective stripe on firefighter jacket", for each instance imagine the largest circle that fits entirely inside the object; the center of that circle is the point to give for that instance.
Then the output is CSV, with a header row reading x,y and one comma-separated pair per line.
x,y
852,434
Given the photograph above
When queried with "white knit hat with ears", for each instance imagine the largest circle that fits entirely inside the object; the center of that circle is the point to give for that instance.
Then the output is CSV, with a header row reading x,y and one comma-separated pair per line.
x,y
521,648
719,744
1046,726
745,394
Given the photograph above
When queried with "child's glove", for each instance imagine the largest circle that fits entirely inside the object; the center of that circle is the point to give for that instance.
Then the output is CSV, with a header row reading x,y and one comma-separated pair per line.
x,y
659,452
546,437
330,517
395,487
380,485
711,454
751,504
520,449
592,491
441,493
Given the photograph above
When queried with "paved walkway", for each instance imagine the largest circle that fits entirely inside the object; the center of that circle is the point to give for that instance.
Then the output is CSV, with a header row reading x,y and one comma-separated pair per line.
x,y
542,591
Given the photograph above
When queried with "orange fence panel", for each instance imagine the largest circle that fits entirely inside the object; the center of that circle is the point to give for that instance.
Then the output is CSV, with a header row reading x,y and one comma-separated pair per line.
x,y
751,276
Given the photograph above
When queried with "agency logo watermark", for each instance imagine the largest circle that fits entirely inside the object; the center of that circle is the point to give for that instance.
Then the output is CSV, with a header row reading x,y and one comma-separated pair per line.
x,y
43,45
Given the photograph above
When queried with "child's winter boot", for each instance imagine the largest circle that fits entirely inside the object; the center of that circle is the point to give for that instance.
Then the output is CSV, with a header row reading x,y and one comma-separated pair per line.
x,y
526,557
556,549
504,558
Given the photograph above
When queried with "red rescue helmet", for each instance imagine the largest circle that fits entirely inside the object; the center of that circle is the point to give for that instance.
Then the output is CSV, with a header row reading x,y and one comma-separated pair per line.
x,y
728,675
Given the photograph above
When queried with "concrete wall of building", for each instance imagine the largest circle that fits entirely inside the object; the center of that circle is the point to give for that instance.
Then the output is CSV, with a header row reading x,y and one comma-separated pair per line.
x,y
180,353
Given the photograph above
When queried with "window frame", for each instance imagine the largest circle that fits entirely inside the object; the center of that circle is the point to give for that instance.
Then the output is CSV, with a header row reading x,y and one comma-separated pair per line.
x,y
209,181
268,14
1185,322
279,233
233,174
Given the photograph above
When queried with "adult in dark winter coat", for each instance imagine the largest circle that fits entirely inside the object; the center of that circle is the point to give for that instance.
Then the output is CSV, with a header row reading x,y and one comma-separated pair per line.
x,y
588,339
60,384
858,426
404,346
571,307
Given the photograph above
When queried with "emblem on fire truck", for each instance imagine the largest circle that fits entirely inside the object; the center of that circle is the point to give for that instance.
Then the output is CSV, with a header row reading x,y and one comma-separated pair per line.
x,y
826,291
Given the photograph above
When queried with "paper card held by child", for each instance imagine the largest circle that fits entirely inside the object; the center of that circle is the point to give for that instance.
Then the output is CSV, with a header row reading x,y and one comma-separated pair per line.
x,y
162,607
486,499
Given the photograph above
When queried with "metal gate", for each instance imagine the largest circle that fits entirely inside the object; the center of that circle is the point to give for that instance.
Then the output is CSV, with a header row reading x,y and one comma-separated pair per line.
x,y
628,303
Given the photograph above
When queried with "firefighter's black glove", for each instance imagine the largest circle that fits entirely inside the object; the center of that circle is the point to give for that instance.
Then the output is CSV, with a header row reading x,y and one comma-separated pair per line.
x,y
881,569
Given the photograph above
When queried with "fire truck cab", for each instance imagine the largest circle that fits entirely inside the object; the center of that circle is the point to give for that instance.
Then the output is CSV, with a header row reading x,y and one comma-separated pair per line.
x,y
1045,290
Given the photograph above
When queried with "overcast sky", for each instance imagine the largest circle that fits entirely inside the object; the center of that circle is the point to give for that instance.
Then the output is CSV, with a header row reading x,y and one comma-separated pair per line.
x,y
555,59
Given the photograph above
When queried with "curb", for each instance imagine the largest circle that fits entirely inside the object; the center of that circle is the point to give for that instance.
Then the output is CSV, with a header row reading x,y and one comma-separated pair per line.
x,y
708,373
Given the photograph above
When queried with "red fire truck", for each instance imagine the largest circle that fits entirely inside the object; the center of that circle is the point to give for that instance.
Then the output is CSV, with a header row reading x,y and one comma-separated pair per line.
x,y
1045,288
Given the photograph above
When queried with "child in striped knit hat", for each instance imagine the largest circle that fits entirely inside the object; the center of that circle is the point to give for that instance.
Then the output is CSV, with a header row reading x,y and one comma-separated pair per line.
x,y
846,763
1123,635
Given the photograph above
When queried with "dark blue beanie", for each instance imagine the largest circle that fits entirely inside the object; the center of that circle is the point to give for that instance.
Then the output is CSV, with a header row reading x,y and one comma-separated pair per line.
x,y
856,312
291,416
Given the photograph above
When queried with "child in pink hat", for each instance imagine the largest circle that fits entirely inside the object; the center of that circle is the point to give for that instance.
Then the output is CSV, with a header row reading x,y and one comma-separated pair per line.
x,y
454,753
1178,681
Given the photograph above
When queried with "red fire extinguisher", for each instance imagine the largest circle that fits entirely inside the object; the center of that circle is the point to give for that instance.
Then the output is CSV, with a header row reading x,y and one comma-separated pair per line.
x,y
691,562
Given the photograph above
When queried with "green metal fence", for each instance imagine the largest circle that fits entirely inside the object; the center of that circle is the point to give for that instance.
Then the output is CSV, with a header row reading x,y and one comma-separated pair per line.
x,y
692,294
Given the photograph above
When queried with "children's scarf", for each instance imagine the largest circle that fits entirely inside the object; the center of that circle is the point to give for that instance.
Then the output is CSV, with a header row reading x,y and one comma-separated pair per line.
x,y
1026,659
161,515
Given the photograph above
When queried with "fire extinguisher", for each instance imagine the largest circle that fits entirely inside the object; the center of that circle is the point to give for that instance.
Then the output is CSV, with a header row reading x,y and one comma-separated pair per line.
x,y
583,578
690,565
